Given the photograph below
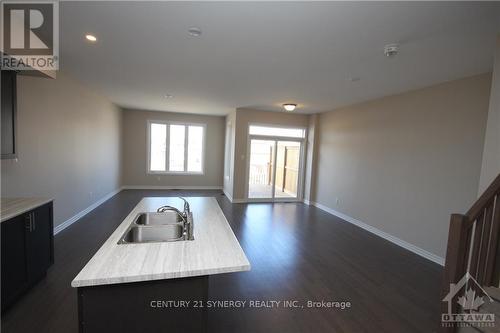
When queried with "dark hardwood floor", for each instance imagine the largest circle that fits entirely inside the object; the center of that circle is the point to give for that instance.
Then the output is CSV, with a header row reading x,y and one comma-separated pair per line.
x,y
297,252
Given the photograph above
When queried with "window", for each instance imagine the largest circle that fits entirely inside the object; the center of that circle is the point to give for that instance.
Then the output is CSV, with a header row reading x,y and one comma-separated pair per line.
x,y
277,131
195,148
158,147
175,148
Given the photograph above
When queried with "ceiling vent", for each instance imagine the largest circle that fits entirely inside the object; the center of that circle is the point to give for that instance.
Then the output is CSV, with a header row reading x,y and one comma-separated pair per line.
x,y
391,50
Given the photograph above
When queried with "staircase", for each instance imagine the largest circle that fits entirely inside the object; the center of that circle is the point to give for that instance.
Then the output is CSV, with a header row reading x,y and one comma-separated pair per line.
x,y
487,308
473,264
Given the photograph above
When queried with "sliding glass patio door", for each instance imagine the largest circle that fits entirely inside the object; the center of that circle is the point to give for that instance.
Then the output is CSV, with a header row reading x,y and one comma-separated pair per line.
x,y
261,169
275,166
287,169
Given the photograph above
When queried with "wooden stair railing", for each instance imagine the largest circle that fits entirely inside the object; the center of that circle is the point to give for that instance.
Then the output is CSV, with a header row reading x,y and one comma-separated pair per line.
x,y
473,245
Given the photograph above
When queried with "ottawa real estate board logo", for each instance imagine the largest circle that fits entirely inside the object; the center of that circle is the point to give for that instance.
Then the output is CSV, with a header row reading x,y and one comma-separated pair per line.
x,y
468,305
29,35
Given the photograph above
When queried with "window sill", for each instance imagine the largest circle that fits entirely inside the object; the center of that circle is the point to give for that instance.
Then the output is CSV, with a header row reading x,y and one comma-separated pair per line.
x,y
175,173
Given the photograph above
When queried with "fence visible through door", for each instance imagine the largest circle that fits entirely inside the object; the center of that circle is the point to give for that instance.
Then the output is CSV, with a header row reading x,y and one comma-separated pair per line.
x,y
274,169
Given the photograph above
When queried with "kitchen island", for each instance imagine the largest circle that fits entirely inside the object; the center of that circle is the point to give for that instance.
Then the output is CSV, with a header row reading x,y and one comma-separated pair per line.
x,y
121,286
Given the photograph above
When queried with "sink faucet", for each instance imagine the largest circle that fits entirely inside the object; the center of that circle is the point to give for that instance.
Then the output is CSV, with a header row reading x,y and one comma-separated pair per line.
x,y
185,213
163,209
187,210
188,222
186,216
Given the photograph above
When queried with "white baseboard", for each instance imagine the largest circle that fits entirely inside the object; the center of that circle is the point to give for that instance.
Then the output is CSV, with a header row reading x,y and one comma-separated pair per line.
x,y
250,201
230,197
169,187
410,247
413,248
74,218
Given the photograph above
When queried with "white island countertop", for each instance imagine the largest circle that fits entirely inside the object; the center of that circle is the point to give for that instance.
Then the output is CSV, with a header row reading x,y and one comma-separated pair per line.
x,y
12,207
214,249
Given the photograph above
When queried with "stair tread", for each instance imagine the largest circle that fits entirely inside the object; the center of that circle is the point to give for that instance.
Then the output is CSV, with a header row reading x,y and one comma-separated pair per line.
x,y
493,292
487,307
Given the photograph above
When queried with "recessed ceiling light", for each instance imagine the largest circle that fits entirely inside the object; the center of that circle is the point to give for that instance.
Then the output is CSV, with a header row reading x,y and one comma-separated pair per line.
x,y
91,38
194,31
168,96
289,106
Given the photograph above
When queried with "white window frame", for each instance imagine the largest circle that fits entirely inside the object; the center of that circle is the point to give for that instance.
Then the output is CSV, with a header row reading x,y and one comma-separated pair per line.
x,y
167,153
294,138
302,161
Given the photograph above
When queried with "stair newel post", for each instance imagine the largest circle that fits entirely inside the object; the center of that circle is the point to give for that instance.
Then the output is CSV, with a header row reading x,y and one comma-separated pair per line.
x,y
456,261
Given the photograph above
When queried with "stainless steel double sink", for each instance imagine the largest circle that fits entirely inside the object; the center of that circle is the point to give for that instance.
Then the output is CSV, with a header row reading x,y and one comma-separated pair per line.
x,y
168,226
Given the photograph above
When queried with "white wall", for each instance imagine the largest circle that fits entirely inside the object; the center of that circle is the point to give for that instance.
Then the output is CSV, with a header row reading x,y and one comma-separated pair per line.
x,y
491,154
229,154
311,158
68,145
404,163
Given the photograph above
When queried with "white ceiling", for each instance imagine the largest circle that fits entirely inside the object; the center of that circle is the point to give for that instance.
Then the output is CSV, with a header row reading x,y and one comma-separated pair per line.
x,y
261,55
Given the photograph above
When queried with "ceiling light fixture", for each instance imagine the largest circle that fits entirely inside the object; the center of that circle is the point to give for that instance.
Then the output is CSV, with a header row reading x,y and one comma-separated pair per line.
x,y
391,50
91,38
194,31
168,96
289,106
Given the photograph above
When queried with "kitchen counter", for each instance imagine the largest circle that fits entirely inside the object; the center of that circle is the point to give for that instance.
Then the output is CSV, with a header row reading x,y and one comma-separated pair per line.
x,y
12,207
214,249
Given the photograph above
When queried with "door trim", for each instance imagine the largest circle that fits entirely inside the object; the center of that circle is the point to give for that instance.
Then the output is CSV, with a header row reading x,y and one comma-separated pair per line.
x,y
300,182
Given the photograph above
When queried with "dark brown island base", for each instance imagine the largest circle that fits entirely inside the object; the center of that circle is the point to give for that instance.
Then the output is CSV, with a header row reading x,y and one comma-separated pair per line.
x,y
174,305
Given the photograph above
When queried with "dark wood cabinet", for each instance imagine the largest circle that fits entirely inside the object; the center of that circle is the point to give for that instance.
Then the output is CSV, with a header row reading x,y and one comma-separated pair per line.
x,y
8,108
27,252
39,243
14,265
